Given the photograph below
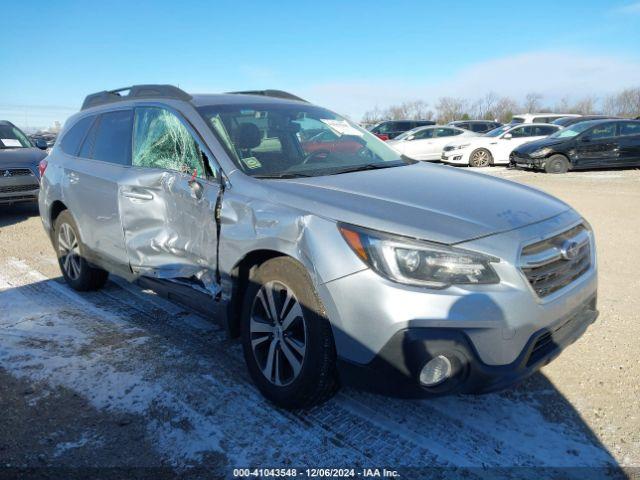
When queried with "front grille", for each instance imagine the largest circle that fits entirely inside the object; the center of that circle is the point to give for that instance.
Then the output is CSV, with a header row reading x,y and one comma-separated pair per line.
x,y
18,188
554,263
15,172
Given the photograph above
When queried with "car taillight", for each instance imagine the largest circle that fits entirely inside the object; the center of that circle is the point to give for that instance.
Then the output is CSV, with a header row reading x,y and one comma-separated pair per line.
x,y
42,166
382,136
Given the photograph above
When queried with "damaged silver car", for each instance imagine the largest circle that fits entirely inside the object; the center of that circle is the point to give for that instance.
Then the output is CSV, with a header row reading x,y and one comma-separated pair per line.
x,y
334,258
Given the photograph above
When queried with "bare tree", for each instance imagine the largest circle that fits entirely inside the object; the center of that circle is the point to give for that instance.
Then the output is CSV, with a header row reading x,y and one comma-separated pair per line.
x,y
485,107
372,116
563,106
624,104
417,110
585,105
492,107
532,102
504,109
411,110
451,108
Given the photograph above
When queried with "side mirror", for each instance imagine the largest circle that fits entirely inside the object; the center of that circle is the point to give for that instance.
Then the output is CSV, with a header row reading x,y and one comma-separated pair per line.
x,y
586,138
41,143
507,136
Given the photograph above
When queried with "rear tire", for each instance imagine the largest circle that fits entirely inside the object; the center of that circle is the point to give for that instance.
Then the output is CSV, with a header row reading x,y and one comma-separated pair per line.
x,y
480,158
556,164
287,340
71,256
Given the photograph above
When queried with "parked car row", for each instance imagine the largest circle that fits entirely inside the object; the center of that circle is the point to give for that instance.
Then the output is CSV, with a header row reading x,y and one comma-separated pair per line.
x,y
572,142
426,143
390,129
495,147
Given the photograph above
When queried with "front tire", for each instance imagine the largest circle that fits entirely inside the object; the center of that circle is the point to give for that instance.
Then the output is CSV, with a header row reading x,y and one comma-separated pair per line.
x,y
71,256
480,158
556,164
287,340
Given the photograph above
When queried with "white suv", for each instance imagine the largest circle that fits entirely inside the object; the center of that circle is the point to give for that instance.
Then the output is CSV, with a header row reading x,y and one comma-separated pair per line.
x,y
540,117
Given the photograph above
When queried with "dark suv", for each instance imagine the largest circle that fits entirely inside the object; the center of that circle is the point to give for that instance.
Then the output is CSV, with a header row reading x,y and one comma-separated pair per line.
x,y
19,159
590,144
392,128
478,126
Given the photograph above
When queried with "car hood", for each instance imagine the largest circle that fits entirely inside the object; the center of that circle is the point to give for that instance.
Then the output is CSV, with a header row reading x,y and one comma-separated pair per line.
x,y
432,202
21,157
543,142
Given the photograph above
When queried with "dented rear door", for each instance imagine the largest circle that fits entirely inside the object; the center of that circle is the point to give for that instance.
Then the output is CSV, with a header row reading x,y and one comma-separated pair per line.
x,y
167,203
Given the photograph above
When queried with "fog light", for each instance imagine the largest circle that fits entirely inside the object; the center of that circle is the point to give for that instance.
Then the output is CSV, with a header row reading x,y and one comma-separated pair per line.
x,y
436,371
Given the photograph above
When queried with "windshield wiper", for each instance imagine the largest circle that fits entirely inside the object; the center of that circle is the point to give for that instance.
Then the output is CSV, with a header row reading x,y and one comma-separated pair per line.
x,y
368,166
282,175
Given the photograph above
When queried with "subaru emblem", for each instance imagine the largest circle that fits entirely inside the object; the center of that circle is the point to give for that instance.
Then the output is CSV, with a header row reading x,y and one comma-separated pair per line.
x,y
569,249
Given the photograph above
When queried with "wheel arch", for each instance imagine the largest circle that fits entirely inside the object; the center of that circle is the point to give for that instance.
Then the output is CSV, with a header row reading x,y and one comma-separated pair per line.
x,y
55,210
240,275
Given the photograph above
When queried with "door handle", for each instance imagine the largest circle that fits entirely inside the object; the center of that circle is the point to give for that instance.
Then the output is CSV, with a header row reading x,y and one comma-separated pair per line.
x,y
196,188
138,196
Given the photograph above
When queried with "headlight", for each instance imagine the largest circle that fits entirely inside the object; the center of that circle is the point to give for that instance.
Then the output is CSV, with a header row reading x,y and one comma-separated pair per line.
x,y
460,147
542,152
415,262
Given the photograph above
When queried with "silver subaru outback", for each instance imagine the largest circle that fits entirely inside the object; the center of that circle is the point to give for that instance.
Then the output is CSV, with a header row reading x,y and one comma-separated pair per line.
x,y
335,259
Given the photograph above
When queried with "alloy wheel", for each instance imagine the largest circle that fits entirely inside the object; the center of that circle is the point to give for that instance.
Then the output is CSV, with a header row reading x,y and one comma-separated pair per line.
x,y
69,251
278,333
480,158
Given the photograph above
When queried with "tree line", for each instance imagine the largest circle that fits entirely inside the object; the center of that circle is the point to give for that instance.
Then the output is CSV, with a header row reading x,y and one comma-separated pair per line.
x,y
492,106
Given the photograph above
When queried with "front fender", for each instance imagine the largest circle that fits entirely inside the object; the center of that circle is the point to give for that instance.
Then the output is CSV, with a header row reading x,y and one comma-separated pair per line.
x,y
249,224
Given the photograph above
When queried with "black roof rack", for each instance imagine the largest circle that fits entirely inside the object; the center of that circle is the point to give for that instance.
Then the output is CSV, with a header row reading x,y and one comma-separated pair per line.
x,y
135,91
271,93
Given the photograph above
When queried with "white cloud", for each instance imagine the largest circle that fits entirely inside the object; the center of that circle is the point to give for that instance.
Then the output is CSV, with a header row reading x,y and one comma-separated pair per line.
x,y
629,8
552,74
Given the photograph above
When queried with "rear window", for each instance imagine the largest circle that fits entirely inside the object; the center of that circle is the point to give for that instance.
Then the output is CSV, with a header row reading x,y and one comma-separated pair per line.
x,y
113,139
71,141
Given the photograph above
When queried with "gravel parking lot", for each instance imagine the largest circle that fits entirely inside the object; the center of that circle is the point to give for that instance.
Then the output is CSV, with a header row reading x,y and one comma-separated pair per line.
x,y
123,378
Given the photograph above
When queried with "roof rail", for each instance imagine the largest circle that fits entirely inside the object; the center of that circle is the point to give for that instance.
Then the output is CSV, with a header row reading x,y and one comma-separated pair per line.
x,y
135,91
271,93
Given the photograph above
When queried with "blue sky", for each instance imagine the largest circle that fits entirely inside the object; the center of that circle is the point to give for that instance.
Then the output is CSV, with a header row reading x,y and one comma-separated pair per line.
x,y
347,55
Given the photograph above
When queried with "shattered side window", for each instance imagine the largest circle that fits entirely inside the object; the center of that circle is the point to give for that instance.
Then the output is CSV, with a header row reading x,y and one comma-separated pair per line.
x,y
160,140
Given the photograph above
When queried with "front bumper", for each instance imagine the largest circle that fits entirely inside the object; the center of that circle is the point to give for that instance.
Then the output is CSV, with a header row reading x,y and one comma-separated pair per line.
x,y
15,189
492,326
396,369
455,157
516,161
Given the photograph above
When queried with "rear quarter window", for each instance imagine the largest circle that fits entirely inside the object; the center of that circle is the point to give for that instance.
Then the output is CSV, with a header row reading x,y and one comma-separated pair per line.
x,y
543,130
70,143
